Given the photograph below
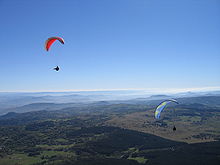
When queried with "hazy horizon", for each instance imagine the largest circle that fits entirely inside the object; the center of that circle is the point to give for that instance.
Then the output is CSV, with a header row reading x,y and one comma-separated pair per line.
x,y
151,90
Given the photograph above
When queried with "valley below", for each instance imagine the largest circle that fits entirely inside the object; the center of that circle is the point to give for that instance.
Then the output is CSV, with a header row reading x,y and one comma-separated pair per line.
x,y
106,132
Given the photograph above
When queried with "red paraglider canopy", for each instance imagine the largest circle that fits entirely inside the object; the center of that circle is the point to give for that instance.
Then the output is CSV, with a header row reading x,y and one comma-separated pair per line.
x,y
51,40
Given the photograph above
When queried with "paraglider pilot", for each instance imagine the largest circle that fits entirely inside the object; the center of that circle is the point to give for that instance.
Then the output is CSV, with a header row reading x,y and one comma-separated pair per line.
x,y
57,68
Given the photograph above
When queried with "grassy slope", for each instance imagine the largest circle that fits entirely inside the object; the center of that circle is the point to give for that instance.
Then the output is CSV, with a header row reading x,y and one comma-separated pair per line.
x,y
201,126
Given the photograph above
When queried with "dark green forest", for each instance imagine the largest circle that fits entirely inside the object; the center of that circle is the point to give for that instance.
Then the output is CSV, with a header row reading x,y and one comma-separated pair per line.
x,y
83,136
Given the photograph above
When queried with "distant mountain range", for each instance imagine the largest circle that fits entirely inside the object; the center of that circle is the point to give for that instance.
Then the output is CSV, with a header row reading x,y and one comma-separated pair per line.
x,y
26,102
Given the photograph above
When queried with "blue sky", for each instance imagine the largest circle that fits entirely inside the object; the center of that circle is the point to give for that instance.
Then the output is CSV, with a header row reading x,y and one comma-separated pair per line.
x,y
110,44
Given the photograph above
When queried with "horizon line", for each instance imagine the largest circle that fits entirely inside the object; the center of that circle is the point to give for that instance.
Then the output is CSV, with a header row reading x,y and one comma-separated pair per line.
x,y
152,90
